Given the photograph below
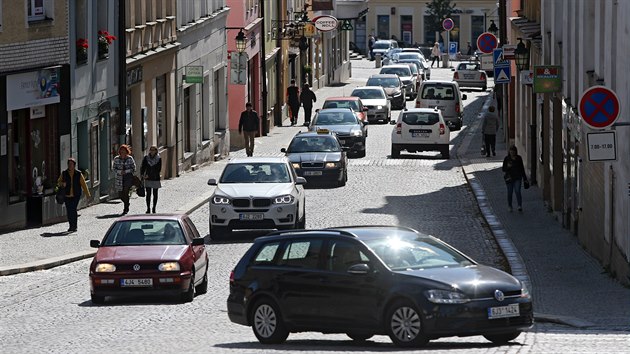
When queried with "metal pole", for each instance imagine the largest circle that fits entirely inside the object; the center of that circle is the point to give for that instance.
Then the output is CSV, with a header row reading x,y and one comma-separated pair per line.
x,y
263,67
502,41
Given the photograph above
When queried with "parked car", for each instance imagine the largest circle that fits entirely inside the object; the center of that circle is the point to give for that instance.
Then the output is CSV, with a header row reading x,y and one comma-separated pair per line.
x,y
420,129
381,46
413,57
257,193
470,75
377,102
319,157
352,102
408,79
373,280
393,86
390,56
149,255
446,96
342,121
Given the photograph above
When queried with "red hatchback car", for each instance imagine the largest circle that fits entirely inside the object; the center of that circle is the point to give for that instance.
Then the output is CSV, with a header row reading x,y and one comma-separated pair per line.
x,y
146,255
352,102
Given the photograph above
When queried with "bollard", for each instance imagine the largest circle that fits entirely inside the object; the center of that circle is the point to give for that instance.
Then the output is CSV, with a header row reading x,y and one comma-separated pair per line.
x,y
378,60
445,61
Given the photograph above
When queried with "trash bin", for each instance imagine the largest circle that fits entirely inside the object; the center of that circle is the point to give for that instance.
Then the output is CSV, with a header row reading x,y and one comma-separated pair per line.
x,y
445,63
378,60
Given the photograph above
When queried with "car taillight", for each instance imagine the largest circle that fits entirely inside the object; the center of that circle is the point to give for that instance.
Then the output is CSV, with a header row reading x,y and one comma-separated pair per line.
x,y
398,128
442,129
418,105
456,76
232,277
457,108
483,76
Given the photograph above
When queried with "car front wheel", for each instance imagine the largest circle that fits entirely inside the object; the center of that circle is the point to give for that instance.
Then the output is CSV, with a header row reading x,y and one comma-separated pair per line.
x,y
267,323
395,151
502,338
404,325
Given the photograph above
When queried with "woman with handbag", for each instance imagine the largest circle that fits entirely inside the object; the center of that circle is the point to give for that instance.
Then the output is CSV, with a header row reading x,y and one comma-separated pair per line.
x,y
150,171
72,183
124,166
514,174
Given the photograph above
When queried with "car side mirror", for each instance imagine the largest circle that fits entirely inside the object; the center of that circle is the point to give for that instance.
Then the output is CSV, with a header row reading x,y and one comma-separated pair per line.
x,y
283,150
360,268
212,182
198,241
300,181
453,69
365,109
95,243
464,97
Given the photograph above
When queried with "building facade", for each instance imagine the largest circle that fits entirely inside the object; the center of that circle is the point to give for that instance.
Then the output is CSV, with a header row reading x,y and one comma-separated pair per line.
x,y
34,110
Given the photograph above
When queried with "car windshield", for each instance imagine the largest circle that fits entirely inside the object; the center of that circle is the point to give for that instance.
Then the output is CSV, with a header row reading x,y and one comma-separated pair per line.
x,y
404,55
335,118
397,71
369,94
413,68
383,82
468,66
420,118
381,45
438,92
265,172
324,143
415,252
145,232
353,105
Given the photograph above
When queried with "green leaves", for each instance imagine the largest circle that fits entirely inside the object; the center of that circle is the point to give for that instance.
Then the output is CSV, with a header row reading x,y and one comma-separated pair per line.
x,y
438,10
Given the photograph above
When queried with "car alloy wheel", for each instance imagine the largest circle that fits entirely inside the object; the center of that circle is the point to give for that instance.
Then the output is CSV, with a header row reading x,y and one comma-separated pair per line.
x,y
267,324
405,325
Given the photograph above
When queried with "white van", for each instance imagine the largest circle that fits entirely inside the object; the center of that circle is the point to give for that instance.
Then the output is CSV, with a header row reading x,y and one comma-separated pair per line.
x,y
446,96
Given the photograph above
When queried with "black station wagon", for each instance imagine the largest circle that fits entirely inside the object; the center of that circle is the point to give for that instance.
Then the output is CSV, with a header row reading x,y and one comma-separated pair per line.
x,y
369,280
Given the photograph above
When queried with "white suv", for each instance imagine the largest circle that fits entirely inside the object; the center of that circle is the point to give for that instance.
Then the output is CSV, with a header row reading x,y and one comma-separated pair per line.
x,y
257,193
421,129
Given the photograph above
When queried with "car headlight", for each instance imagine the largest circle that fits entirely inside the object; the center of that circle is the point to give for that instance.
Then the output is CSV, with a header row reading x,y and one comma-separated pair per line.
x,y
284,199
356,133
397,93
379,107
169,267
525,292
105,268
296,165
446,297
217,199
332,164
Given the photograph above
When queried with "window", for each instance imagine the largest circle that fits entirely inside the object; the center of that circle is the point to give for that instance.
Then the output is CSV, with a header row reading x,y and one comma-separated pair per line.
x,y
35,10
406,29
267,254
429,34
160,109
477,28
0,15
138,12
342,255
186,121
302,254
382,30
93,172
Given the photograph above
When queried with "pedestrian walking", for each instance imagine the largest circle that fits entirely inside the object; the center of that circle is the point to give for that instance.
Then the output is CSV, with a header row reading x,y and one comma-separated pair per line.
x,y
435,54
124,167
514,175
469,51
489,128
307,97
73,182
150,170
248,125
293,99
371,41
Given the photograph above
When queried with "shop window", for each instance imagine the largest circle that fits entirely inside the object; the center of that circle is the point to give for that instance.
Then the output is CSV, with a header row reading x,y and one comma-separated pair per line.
x,y
216,101
93,173
186,121
406,29
160,109
477,28
429,33
382,29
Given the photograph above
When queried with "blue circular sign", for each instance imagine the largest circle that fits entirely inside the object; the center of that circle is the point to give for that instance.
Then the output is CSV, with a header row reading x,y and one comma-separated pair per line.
x,y
448,24
486,42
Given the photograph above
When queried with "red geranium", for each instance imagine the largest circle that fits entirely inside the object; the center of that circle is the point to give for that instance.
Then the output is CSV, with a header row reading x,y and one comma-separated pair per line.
x,y
82,43
105,37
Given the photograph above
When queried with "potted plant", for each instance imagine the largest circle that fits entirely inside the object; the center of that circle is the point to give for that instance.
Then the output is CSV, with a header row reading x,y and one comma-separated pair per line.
x,y
104,40
82,50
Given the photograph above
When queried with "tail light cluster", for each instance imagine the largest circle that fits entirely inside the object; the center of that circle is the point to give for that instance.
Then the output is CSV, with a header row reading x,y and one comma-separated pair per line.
x,y
398,128
483,76
457,109
456,76
442,129
232,277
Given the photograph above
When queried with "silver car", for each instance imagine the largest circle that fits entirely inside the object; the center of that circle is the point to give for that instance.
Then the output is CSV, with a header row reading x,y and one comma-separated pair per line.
x,y
257,193
376,101
408,79
470,75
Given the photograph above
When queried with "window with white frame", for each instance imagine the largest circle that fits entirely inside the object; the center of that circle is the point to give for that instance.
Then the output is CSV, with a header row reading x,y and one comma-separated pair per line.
x,y
39,10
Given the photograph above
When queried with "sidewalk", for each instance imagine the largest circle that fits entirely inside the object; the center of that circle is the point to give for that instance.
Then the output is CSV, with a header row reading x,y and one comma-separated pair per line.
x,y
567,284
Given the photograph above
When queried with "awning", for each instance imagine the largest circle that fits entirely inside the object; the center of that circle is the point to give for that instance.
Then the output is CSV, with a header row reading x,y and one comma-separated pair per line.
x,y
528,29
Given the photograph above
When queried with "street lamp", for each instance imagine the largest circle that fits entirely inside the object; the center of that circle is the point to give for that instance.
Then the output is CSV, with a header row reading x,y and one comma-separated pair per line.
x,y
241,41
493,28
521,55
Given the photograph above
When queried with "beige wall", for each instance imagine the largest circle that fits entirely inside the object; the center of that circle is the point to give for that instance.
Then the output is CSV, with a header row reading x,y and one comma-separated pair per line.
x,y
17,29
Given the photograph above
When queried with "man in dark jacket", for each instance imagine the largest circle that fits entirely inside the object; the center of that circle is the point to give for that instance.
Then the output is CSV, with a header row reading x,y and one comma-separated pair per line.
x,y
307,97
293,99
248,124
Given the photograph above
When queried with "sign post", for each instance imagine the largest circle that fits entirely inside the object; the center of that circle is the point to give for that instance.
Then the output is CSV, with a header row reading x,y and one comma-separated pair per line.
x,y
448,25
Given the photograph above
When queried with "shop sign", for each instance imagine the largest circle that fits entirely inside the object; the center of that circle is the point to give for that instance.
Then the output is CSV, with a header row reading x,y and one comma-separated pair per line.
x,y
547,78
309,30
38,112
527,77
319,5
325,23
134,76
194,74
34,88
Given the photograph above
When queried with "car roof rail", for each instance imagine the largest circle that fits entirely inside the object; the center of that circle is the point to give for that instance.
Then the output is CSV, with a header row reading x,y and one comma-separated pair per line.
x,y
283,232
371,226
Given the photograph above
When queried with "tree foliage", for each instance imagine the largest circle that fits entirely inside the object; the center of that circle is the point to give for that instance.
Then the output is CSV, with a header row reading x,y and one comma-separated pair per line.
x,y
438,10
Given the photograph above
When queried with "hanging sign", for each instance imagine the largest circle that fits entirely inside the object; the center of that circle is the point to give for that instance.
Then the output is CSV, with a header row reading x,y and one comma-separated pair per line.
x,y
194,74
325,23
547,78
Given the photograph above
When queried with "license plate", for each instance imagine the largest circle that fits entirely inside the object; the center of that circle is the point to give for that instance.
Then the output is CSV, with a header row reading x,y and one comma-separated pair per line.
x,y
470,76
146,282
250,216
420,135
312,173
503,311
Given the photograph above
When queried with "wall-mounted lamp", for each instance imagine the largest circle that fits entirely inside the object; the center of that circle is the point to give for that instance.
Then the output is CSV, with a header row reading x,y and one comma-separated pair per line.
x,y
521,56
493,28
241,41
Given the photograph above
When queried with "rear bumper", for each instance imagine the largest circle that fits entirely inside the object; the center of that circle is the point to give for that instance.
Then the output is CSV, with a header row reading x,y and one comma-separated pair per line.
x,y
328,175
422,147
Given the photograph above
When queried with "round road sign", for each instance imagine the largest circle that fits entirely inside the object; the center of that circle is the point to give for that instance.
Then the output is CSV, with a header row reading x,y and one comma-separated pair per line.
x,y
486,42
599,107
448,24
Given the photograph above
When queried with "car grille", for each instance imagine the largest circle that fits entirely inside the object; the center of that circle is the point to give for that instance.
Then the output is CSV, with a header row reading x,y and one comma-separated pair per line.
x,y
312,164
128,267
261,202
240,203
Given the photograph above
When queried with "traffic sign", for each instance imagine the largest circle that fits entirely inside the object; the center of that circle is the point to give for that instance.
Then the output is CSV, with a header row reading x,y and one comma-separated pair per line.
x,y
448,24
452,49
599,107
486,62
497,56
508,51
486,42
602,146
502,74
